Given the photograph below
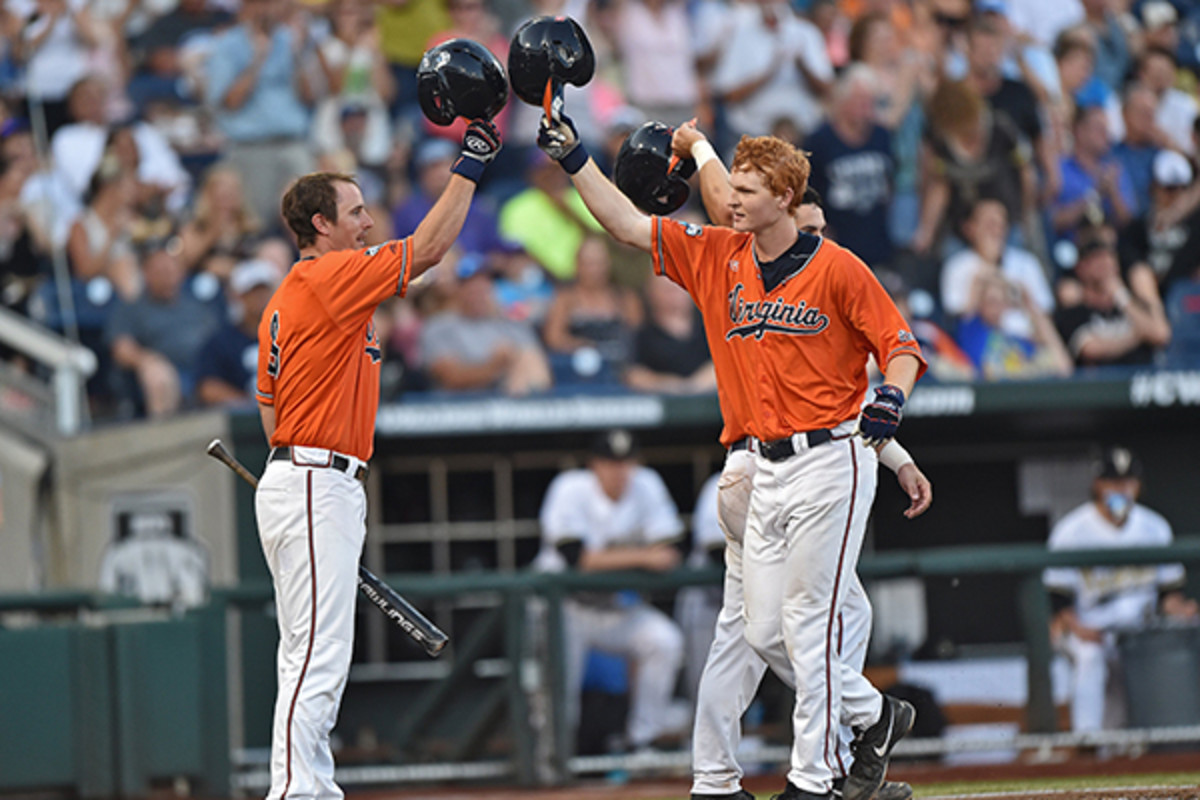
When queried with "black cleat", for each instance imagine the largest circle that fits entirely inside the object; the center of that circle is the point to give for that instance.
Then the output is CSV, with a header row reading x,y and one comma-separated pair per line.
x,y
873,747
792,793
740,794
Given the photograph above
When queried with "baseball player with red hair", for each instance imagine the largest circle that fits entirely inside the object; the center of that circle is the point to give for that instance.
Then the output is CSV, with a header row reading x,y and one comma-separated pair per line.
x,y
791,319
732,670
318,394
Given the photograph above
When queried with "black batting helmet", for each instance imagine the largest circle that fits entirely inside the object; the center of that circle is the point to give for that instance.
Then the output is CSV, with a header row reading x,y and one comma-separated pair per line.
x,y
546,48
649,174
460,78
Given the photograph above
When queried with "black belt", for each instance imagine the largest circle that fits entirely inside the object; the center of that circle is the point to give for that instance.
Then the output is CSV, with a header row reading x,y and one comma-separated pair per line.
x,y
782,449
339,462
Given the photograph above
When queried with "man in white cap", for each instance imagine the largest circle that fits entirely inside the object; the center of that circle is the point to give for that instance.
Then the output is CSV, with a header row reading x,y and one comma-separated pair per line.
x,y
1163,245
228,361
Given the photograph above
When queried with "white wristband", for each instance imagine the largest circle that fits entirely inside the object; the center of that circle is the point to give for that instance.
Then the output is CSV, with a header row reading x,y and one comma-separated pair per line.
x,y
703,152
894,456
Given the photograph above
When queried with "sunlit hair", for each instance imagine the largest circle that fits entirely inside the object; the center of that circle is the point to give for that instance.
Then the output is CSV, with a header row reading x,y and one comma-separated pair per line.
x,y
311,194
955,108
781,165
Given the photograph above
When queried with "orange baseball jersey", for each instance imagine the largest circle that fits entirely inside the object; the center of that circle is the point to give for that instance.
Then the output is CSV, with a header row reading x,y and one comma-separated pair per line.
x,y
794,358
318,355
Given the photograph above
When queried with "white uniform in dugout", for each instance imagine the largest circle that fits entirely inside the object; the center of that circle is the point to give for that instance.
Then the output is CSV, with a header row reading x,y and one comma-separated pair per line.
x,y
577,512
1107,599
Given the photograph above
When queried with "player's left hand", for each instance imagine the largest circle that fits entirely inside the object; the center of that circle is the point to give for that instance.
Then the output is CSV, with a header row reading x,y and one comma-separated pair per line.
x,y
917,487
881,417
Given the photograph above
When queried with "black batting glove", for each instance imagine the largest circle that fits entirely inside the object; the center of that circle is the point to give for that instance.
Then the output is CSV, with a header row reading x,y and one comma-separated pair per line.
x,y
558,139
881,417
480,144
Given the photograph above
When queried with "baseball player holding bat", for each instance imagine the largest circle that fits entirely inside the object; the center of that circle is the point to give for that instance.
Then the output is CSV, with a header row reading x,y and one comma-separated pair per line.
x,y
732,670
318,393
791,319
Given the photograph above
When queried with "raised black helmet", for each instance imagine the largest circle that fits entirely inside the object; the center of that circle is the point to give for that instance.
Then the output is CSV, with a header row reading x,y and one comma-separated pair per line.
x,y
546,48
648,174
460,78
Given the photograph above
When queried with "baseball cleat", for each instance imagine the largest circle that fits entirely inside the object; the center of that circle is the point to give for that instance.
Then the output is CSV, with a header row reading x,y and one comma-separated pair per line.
x,y
740,794
792,793
890,790
873,747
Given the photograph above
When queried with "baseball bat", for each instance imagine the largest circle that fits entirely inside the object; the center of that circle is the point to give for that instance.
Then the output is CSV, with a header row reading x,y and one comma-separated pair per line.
x,y
384,597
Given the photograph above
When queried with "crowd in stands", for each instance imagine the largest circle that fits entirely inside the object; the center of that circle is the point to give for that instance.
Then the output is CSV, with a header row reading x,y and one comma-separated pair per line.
x,y
1021,175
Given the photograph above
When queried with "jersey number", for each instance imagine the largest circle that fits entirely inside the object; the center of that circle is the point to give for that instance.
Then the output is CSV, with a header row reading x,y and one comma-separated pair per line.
x,y
273,360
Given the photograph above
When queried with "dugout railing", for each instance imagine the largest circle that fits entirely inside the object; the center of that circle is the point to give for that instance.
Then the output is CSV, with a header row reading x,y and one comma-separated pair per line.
x,y
145,696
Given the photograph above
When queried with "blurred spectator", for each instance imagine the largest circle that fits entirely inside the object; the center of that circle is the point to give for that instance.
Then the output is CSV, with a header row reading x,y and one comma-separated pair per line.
x,y
1112,324
472,347
773,65
100,244
670,352
969,153
616,515
1004,95
186,19
261,93
621,122
1183,314
947,361
432,162
228,361
1176,111
22,261
1166,251
1094,184
549,218
360,86
1092,605
50,205
78,146
1112,42
1043,21
155,339
1142,141
1075,61
851,158
223,226
592,313
989,252
653,40
523,289
999,354
55,46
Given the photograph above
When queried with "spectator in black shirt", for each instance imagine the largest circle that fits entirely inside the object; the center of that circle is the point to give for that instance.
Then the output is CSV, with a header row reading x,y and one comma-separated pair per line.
x,y
1164,243
1112,325
670,353
228,361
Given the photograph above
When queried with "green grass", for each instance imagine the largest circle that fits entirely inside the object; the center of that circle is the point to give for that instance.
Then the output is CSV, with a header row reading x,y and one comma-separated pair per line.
x,y
1048,784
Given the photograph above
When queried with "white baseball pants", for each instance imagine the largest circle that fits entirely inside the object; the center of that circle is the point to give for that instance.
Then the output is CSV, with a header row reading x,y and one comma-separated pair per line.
x,y
650,640
312,523
733,670
804,530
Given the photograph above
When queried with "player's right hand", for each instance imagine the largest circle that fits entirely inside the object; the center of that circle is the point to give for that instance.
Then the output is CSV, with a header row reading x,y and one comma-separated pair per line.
x,y
558,138
684,137
917,487
480,144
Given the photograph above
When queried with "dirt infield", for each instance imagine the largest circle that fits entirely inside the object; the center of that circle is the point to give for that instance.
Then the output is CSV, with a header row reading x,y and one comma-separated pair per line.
x,y
917,774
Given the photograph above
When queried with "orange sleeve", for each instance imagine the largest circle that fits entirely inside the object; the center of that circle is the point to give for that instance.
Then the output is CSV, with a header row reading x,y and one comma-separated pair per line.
x,y
353,284
687,253
872,313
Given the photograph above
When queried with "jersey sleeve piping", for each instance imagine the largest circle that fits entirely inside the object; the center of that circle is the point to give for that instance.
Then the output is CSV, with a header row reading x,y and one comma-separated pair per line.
x,y
264,397
660,266
402,283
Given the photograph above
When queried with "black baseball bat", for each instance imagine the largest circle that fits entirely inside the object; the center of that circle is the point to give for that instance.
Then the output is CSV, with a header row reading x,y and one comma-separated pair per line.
x,y
385,598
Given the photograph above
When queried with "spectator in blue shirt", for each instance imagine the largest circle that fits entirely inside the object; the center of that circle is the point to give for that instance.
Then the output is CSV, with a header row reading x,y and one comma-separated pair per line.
x,y
1142,142
228,361
258,86
432,160
1093,181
